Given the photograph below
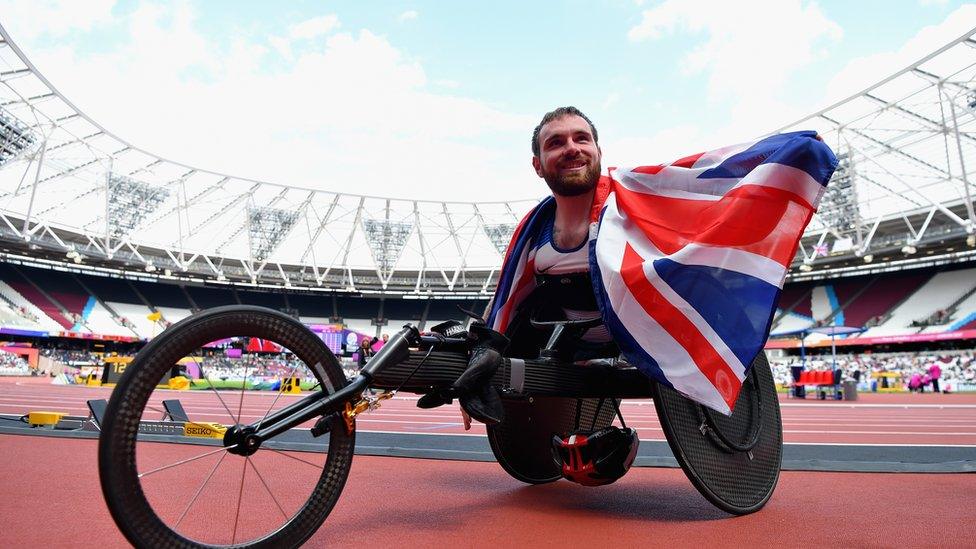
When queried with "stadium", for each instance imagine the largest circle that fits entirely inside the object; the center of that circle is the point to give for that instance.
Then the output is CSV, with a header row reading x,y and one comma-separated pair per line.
x,y
104,247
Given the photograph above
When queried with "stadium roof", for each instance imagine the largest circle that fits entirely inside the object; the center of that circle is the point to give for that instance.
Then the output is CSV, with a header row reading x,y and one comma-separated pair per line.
x,y
72,192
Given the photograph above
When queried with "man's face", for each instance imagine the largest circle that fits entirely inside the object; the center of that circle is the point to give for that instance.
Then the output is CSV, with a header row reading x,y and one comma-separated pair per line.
x,y
569,158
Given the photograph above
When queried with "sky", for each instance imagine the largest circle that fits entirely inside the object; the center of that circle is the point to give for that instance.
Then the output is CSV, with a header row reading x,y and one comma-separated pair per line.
x,y
437,100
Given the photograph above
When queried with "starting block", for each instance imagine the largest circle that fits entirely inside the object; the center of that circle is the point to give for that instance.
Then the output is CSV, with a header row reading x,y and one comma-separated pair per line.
x,y
203,430
96,407
44,419
175,411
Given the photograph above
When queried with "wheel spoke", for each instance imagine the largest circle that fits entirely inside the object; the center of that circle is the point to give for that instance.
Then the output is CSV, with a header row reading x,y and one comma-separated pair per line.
x,y
216,392
188,460
265,484
240,496
275,401
199,490
240,404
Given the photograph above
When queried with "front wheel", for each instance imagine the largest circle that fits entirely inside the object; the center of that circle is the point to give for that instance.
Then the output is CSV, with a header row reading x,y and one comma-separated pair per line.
x,y
167,484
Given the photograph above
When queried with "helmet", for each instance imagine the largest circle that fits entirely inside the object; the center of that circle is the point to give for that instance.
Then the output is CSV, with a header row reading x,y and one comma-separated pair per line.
x,y
595,458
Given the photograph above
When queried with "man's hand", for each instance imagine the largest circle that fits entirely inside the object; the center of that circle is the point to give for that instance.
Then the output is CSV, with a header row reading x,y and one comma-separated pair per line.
x,y
467,420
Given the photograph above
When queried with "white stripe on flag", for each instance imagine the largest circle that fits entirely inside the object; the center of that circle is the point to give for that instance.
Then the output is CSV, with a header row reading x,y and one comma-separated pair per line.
x,y
713,158
699,321
675,183
787,178
682,372
729,258
646,249
732,259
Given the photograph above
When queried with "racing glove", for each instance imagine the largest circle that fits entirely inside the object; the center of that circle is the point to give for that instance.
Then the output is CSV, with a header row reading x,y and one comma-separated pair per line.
x,y
473,388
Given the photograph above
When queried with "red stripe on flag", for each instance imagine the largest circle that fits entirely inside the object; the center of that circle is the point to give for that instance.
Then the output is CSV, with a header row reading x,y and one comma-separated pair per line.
x,y
515,235
650,170
678,326
761,220
520,291
687,161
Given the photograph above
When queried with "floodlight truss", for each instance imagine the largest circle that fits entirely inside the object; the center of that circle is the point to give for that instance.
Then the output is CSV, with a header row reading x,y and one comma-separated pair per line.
x,y
500,235
386,241
267,227
907,150
129,202
15,138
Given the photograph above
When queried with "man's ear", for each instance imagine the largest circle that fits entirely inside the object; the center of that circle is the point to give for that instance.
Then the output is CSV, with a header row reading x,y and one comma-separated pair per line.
x,y
537,164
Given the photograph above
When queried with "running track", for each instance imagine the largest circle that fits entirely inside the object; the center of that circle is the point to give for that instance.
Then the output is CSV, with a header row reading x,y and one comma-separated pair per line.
x,y
52,497
902,419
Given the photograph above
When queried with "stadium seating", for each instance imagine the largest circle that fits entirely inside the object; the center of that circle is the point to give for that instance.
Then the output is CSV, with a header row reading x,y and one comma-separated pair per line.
x,y
938,293
54,301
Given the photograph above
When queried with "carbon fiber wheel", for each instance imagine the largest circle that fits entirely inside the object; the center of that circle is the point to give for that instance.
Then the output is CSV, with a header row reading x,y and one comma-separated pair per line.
x,y
168,485
733,461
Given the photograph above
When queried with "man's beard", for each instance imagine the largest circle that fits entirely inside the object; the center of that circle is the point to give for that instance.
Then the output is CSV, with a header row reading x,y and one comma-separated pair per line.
x,y
575,184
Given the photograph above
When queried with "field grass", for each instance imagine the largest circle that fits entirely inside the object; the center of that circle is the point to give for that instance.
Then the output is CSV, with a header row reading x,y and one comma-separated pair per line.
x,y
202,384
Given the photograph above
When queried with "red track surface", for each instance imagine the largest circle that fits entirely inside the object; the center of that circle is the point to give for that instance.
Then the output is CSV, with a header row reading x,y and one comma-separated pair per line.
x,y
52,499
873,419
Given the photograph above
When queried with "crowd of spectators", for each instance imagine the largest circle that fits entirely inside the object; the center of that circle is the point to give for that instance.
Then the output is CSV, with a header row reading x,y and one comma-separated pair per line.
x,y
70,357
925,371
13,365
252,366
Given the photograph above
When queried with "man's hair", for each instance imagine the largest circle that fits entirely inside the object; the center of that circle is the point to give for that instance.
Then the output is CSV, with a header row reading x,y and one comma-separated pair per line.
x,y
559,113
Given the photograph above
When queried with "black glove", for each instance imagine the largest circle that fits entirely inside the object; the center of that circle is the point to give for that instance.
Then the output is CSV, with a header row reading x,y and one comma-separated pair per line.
x,y
478,398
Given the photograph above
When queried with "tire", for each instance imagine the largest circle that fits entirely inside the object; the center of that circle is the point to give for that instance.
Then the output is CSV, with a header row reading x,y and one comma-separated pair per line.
x,y
121,484
736,480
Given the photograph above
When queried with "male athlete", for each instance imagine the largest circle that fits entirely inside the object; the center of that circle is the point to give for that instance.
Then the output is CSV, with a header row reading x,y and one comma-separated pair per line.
x,y
689,257
566,154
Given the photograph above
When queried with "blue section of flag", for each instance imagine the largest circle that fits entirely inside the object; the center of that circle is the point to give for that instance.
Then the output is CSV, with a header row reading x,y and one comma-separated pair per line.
x,y
792,149
736,306
532,226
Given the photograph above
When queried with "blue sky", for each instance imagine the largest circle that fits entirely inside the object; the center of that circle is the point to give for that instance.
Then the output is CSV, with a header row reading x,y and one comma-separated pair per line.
x,y
437,99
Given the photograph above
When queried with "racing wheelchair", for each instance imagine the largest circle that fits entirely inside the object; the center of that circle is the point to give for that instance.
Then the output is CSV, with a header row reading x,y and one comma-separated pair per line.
x,y
210,481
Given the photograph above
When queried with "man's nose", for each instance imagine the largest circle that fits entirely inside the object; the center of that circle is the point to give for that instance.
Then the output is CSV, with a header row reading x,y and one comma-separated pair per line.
x,y
572,149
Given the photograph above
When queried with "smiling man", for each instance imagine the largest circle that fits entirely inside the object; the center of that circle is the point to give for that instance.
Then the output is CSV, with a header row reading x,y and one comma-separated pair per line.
x,y
682,261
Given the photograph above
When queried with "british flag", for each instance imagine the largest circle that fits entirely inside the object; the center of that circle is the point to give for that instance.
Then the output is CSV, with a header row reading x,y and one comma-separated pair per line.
x,y
688,258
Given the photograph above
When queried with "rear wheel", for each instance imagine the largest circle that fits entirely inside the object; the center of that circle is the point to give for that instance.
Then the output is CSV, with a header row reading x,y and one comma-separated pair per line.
x,y
167,483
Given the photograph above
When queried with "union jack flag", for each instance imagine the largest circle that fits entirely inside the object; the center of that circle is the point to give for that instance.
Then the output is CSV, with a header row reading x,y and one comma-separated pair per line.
x,y
688,258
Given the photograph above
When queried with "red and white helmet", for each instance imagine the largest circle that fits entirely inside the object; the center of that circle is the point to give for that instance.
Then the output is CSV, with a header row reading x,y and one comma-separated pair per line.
x,y
595,458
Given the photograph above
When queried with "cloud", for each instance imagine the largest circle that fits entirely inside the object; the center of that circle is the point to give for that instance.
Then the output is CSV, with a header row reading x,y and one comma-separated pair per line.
x,y
350,113
56,18
664,146
314,27
409,15
612,99
865,71
747,64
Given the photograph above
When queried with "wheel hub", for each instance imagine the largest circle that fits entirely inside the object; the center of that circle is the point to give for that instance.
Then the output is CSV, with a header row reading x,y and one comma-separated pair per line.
x,y
242,441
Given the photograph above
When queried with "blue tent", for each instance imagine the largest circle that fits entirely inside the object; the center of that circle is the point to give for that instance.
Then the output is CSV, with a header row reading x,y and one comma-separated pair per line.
x,y
832,331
